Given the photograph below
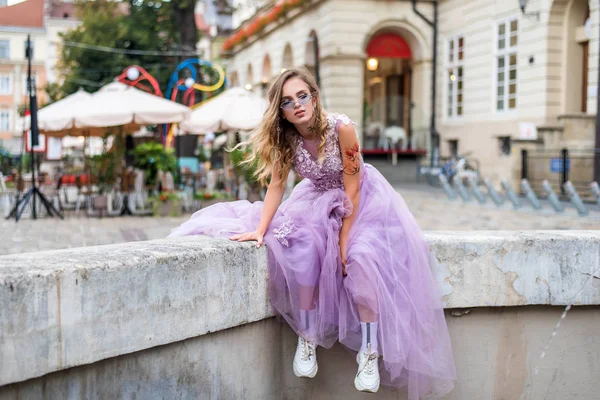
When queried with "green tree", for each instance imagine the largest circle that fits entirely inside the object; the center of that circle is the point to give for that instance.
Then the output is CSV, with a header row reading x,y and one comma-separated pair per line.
x,y
146,26
102,24
183,15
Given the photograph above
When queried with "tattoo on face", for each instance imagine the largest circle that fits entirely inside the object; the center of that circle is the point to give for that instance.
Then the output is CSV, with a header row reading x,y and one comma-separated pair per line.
x,y
352,160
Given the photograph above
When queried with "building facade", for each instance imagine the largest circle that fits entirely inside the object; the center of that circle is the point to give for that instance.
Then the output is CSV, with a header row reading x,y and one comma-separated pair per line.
x,y
501,75
214,21
16,22
43,20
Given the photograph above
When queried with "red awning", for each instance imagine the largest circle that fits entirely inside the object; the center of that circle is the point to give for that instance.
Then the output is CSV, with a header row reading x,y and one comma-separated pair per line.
x,y
388,45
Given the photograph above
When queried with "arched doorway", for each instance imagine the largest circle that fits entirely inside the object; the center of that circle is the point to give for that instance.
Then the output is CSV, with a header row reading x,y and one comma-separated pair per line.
x,y
266,74
387,96
249,78
288,58
266,69
570,35
577,20
311,56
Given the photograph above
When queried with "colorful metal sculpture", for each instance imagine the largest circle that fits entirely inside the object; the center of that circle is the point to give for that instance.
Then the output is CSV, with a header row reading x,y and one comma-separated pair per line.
x,y
136,75
189,86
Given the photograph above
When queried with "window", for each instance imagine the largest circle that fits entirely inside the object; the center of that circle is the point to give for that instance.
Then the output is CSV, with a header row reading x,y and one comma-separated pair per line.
x,y
453,145
505,145
25,88
32,48
5,85
4,120
455,77
506,65
4,49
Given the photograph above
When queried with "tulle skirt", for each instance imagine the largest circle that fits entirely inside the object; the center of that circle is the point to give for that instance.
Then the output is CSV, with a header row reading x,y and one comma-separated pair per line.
x,y
389,271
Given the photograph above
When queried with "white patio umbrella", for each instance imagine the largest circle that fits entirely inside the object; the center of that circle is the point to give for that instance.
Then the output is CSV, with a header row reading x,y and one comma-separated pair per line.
x,y
234,109
58,116
118,104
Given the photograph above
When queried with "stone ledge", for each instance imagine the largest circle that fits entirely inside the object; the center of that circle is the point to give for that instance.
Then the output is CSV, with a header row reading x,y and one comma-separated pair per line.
x,y
73,307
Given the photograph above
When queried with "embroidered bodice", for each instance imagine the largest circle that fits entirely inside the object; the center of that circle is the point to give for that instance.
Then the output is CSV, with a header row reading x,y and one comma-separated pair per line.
x,y
327,174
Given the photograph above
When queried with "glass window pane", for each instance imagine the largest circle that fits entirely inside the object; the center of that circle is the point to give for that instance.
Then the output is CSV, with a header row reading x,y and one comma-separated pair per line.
x,y
514,25
512,88
513,74
451,51
501,78
513,41
459,98
459,110
460,72
460,85
512,103
500,62
500,105
513,59
501,29
500,91
501,44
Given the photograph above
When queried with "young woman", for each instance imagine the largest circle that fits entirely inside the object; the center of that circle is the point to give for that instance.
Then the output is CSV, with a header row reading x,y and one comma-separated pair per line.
x,y
347,261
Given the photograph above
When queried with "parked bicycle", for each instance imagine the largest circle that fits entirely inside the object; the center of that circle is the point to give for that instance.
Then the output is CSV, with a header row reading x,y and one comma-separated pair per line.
x,y
460,167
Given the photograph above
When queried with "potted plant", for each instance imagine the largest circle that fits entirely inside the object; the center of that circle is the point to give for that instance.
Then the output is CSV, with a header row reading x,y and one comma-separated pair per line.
x,y
103,173
165,204
152,157
209,198
248,172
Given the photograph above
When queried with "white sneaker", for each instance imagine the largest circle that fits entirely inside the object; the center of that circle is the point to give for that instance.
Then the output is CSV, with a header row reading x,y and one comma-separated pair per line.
x,y
305,359
367,377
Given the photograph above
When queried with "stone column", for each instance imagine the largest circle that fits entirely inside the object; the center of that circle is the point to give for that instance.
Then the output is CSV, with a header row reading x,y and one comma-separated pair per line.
x,y
342,86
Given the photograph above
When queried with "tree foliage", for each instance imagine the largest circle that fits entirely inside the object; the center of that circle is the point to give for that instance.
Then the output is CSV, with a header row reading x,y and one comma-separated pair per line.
x,y
157,25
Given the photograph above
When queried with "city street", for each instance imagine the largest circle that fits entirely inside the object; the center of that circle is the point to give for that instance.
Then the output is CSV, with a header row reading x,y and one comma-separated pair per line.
x,y
429,206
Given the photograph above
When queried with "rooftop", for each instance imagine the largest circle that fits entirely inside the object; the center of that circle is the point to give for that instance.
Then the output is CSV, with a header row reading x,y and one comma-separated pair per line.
x,y
28,14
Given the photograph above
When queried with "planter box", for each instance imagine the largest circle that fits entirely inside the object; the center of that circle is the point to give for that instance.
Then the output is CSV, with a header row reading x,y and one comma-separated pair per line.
x,y
169,208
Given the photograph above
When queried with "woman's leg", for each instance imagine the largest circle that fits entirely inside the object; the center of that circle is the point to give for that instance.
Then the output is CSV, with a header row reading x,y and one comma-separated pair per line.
x,y
308,311
368,324
367,378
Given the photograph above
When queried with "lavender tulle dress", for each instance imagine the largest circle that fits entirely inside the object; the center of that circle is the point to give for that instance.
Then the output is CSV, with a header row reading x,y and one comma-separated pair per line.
x,y
389,266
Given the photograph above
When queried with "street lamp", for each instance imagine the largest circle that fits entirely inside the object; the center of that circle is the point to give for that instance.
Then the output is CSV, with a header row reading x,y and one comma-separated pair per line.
x,y
523,5
372,64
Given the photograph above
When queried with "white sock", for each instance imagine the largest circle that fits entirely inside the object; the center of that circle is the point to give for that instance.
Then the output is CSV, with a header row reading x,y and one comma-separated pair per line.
x,y
369,335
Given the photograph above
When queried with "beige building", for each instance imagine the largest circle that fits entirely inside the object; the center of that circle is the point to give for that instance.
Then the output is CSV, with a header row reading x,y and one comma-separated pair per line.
x,y
16,22
43,20
497,68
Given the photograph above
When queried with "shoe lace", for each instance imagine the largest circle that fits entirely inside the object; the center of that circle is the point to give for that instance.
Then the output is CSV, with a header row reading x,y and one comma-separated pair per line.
x,y
307,349
370,361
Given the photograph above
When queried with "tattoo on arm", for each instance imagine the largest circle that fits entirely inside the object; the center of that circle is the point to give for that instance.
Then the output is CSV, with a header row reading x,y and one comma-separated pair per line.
x,y
352,160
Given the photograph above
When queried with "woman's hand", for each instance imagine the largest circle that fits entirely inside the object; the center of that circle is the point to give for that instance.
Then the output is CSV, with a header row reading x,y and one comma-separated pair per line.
x,y
343,252
249,236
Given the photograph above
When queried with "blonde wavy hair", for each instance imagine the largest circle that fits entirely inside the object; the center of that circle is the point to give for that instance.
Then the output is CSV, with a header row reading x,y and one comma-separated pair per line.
x,y
273,143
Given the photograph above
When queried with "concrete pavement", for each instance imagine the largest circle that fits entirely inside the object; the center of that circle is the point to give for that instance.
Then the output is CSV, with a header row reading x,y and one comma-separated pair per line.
x,y
430,207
